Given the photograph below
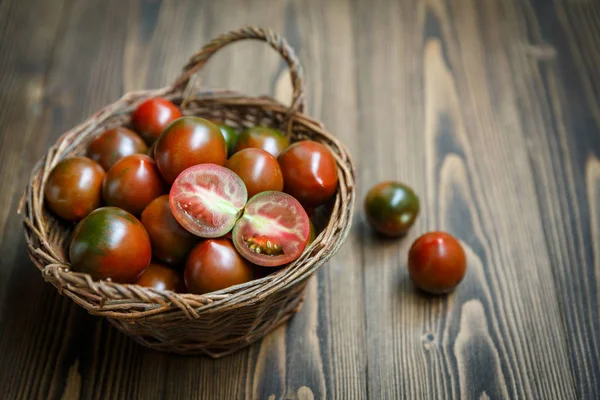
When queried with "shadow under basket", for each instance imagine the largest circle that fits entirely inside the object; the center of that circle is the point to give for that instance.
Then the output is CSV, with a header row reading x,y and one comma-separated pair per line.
x,y
218,323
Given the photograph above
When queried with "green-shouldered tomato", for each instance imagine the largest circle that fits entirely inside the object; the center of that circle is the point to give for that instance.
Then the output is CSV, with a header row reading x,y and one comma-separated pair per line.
x,y
391,208
261,137
74,188
170,242
161,277
114,144
110,243
230,135
186,142
152,116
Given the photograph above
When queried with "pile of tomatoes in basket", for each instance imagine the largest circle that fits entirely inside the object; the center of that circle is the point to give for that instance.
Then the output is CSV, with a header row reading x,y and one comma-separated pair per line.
x,y
183,203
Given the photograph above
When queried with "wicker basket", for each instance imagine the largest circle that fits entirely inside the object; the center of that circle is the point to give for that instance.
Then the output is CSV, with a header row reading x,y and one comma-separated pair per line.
x,y
221,322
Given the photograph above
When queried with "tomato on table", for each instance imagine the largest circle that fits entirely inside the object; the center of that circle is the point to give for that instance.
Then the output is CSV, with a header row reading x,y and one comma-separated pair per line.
x,y
258,169
74,188
391,208
110,243
437,262
261,137
114,144
161,277
152,116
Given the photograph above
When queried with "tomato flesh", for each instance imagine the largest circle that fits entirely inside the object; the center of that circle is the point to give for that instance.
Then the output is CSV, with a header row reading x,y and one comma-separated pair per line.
x,y
207,199
273,230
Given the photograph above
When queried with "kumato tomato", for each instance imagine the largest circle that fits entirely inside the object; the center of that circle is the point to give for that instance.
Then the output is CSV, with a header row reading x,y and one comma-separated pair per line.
x,y
437,262
186,142
273,230
152,116
391,208
310,172
114,144
258,169
213,265
132,183
230,136
170,242
110,243
161,277
207,199
261,137
74,188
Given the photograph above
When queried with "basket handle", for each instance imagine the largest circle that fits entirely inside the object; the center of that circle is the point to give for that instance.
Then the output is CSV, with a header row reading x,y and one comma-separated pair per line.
x,y
188,77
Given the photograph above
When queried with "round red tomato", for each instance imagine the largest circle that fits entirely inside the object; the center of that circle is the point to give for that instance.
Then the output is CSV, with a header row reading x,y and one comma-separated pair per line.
x,y
74,188
170,242
114,144
132,183
214,265
258,169
273,230
110,243
187,142
261,137
391,208
152,116
160,277
437,262
207,199
310,172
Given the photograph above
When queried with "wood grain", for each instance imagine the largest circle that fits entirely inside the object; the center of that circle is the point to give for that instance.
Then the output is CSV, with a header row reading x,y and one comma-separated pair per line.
x,y
489,110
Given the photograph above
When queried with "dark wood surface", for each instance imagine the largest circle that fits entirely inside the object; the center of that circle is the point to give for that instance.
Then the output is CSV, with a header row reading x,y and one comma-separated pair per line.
x,y
489,109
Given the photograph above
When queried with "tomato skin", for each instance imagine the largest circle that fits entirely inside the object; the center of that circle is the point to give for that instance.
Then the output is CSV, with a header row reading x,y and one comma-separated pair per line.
x,y
74,188
160,277
114,144
110,243
230,136
261,137
258,169
132,183
213,265
186,142
391,208
152,116
310,172
437,262
170,242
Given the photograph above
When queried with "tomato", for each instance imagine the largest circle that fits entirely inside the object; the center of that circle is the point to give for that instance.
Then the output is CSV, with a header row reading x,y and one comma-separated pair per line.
x,y
437,262
310,172
312,233
207,199
258,169
187,142
170,242
152,116
391,208
160,277
132,183
214,265
261,137
74,188
114,144
273,230
230,136
110,243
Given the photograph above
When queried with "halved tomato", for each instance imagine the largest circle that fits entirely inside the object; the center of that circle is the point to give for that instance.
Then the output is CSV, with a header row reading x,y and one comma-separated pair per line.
x,y
273,230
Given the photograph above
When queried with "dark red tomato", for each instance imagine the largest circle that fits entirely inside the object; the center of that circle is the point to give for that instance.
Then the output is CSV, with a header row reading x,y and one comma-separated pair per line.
x,y
437,262
132,183
187,142
170,242
114,144
110,243
152,116
261,137
258,169
74,188
391,208
230,136
310,173
160,277
214,265
273,230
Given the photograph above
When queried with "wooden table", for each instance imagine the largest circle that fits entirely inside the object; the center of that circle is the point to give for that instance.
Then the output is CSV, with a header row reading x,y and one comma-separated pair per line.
x,y
489,109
